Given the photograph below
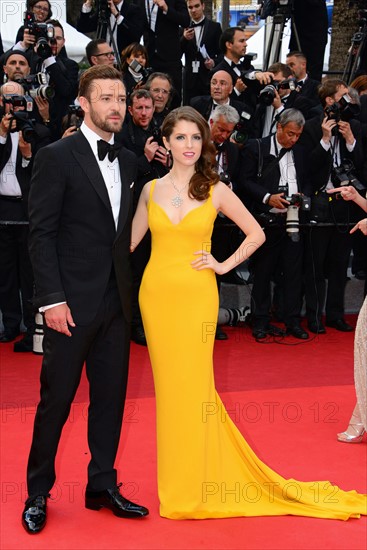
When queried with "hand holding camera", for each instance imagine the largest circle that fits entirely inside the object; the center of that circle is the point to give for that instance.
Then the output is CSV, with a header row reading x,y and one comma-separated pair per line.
x,y
150,149
189,33
327,126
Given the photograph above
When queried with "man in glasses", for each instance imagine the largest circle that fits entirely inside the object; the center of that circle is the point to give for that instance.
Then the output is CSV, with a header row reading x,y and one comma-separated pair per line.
x,y
98,52
160,87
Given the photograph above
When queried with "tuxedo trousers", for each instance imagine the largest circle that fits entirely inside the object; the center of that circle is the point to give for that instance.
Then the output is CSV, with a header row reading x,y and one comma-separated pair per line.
x,y
103,346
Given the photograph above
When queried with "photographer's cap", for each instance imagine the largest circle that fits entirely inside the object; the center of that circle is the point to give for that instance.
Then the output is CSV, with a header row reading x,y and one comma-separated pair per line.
x,y
8,54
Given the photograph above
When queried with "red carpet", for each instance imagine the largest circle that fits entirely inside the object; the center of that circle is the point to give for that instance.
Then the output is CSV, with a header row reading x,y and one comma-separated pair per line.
x,y
288,400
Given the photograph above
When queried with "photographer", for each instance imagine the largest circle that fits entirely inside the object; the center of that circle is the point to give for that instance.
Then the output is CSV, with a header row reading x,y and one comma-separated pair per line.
x,y
274,184
98,52
45,54
121,22
220,94
246,81
19,141
160,87
200,45
134,67
41,10
140,135
333,143
282,93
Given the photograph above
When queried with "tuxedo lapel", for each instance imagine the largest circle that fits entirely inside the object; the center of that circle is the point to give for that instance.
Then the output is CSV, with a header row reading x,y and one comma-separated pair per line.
x,y
85,158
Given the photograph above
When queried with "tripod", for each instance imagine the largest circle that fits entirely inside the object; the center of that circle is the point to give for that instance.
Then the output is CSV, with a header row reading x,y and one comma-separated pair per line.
x,y
282,15
357,49
103,26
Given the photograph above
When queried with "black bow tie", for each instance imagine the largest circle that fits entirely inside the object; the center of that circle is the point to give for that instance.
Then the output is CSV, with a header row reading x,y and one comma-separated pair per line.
x,y
193,24
233,65
105,148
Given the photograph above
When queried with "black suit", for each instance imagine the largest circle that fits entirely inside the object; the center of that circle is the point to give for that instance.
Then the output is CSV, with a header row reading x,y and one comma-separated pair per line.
x,y
328,248
204,105
249,96
279,251
15,267
197,83
79,257
130,30
163,44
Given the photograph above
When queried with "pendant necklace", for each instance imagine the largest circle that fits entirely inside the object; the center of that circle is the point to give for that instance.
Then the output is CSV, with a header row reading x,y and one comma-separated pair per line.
x,y
177,200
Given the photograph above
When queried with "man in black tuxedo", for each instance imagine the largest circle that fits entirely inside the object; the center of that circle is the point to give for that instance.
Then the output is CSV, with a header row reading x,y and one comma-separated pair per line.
x,y
124,20
246,81
220,94
266,116
16,277
200,44
222,123
163,19
328,143
297,62
80,211
273,168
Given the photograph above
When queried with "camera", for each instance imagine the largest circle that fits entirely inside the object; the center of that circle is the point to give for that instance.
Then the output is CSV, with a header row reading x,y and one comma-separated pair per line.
x,y
343,175
37,86
344,109
268,8
225,178
23,121
139,69
44,33
20,101
240,134
297,202
103,11
157,135
75,116
268,93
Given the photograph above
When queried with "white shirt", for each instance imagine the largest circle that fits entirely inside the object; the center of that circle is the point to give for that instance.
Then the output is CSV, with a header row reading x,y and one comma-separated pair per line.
x,y
152,12
336,153
287,171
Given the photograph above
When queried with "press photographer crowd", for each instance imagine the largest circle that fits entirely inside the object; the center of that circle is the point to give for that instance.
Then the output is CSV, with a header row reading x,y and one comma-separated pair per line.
x,y
284,136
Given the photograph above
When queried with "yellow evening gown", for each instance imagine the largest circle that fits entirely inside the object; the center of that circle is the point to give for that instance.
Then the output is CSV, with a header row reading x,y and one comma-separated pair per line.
x,y
205,467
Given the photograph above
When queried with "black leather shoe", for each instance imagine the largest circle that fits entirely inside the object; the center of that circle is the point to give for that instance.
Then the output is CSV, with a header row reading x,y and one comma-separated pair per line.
x,y
340,324
114,501
316,327
8,336
269,330
297,332
24,345
259,333
220,334
35,514
138,335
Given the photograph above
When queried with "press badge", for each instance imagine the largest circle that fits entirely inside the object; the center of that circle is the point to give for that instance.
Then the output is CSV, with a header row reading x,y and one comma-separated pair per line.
x,y
195,66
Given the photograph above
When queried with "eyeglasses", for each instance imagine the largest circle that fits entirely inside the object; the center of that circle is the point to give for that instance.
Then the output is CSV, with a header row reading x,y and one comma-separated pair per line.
x,y
160,90
40,8
107,54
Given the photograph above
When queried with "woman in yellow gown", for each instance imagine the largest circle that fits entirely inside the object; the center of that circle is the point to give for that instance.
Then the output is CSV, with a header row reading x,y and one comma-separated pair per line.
x,y
205,467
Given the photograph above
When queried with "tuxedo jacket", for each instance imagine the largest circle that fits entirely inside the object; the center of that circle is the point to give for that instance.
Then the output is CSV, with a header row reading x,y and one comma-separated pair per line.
x,y
164,43
210,36
130,30
204,104
309,89
232,152
23,174
74,245
319,161
253,189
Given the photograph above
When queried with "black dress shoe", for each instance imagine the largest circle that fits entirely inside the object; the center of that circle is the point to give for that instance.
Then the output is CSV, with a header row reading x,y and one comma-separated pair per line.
x,y
8,336
297,332
138,335
340,324
269,330
114,501
220,334
316,327
35,514
259,333
25,344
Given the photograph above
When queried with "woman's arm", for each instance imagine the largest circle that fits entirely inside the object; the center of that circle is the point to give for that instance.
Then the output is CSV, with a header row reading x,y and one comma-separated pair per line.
x,y
140,222
226,201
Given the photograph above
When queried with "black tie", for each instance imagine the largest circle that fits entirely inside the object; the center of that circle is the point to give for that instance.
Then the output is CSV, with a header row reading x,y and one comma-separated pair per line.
x,y
104,148
233,65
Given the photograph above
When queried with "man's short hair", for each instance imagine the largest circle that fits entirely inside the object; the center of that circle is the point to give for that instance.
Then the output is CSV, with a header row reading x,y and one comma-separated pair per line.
x,y
226,111
329,88
97,72
297,53
140,94
227,36
291,115
92,48
280,68
56,23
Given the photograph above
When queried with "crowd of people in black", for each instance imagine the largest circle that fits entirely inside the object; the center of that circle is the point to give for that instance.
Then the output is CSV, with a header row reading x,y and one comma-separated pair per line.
x,y
283,140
